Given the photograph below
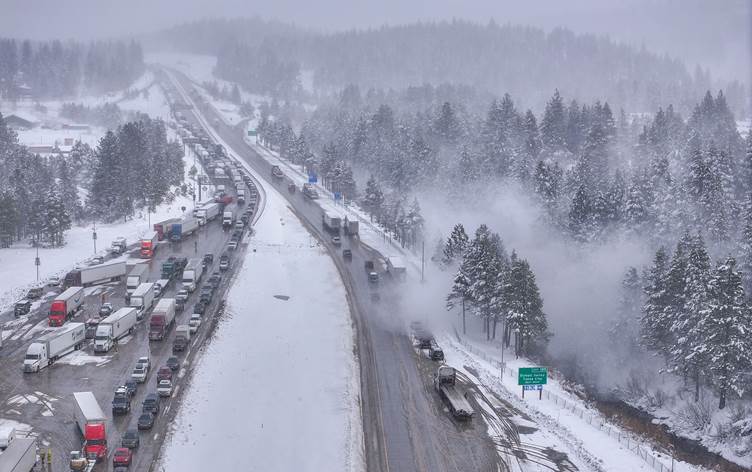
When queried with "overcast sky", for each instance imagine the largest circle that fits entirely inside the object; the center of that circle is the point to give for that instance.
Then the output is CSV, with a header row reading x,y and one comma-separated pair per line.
x,y
715,33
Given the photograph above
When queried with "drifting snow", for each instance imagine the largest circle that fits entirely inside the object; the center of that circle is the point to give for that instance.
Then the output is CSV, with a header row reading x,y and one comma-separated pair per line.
x,y
279,380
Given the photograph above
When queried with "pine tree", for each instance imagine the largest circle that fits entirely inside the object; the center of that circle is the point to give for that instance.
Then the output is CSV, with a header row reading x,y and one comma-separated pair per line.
x,y
460,292
524,306
657,317
56,220
581,219
483,273
67,190
102,195
373,200
446,125
455,246
624,331
553,126
745,247
726,326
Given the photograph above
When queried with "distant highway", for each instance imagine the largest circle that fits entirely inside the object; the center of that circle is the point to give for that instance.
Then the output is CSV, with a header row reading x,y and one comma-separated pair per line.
x,y
406,425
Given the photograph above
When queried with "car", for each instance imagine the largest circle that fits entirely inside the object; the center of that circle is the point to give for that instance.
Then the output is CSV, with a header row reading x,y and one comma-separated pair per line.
x,y
209,258
53,281
179,305
214,280
146,420
151,404
145,361
122,456
139,374
130,439
182,295
224,263
336,240
96,260
164,388
195,322
232,245
131,386
121,404
122,391
21,308
34,293
435,352
105,310
164,373
199,307
173,363
373,277
206,296
347,254
239,225
245,219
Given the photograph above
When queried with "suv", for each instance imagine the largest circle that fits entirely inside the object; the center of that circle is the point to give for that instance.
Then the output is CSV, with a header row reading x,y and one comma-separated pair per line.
x,y
34,293
435,352
22,307
224,262
151,404
164,373
199,307
105,310
130,439
207,293
121,403
209,258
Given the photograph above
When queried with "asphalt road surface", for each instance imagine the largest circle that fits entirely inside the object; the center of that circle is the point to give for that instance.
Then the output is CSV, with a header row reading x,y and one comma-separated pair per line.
x,y
406,425
44,400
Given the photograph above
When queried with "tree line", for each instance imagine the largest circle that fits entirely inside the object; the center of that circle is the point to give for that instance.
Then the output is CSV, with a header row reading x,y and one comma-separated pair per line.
x,y
698,318
55,69
41,197
499,288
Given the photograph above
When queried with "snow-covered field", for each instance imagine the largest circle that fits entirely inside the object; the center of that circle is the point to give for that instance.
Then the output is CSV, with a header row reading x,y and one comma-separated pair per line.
x,y
278,386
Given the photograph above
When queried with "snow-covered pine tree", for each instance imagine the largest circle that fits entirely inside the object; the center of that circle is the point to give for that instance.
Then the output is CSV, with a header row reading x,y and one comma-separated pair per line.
x,y
455,247
581,218
447,126
553,125
657,313
56,219
688,352
460,291
483,273
624,332
102,195
745,247
726,326
524,305
373,200
67,189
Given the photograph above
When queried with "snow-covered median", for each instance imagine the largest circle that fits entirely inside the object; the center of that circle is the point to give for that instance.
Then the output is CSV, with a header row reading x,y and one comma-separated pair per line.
x,y
278,385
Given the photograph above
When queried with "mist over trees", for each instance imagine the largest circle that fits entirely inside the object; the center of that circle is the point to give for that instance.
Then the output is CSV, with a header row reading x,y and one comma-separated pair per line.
x,y
525,62
55,69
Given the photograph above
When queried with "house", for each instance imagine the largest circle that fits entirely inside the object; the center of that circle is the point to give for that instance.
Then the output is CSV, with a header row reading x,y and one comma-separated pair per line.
x,y
18,123
77,126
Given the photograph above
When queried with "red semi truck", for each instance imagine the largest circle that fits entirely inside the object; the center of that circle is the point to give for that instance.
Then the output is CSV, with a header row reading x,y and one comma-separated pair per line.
x,y
66,305
91,421
163,227
161,319
149,245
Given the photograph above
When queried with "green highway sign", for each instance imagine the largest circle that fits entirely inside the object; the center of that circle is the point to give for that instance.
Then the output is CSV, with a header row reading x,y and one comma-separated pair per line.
x,y
532,376
252,132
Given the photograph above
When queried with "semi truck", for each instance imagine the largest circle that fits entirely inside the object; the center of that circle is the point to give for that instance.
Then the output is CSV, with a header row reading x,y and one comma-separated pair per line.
x,y
396,267
192,274
182,338
137,276
351,227
183,228
207,213
163,227
142,299
173,266
119,245
332,222
92,424
114,327
149,245
65,305
20,456
445,383
227,219
96,274
50,347
161,319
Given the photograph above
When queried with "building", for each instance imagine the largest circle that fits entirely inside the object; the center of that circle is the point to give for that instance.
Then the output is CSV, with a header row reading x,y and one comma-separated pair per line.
x,y
18,123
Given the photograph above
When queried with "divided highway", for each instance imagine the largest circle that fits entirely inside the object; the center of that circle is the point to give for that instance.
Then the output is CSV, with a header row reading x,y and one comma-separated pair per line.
x,y
406,425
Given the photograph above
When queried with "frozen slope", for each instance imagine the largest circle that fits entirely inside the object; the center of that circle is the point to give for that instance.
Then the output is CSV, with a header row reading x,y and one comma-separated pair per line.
x,y
278,386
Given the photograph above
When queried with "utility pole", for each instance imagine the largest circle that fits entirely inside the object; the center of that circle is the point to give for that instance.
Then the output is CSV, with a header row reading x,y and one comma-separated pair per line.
x,y
36,259
94,235
423,261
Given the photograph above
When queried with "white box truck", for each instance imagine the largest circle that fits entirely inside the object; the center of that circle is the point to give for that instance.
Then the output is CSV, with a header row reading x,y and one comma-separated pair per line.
x,y
142,299
207,213
52,346
20,456
114,327
332,221
192,274
396,267
138,275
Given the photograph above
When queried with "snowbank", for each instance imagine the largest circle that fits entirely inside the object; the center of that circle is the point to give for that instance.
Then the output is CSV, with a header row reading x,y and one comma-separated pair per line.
x,y
278,383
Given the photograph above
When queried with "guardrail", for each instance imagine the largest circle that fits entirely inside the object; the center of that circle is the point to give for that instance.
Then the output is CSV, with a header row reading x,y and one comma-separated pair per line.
x,y
594,420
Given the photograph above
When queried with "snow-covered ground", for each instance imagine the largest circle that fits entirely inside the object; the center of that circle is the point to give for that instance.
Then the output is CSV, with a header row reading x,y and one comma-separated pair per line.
x,y
582,431
278,385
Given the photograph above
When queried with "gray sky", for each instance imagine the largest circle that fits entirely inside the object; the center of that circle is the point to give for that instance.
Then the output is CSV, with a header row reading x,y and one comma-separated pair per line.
x,y
715,33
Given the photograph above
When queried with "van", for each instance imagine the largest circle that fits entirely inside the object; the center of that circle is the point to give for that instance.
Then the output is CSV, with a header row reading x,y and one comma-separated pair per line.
x,y
7,435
